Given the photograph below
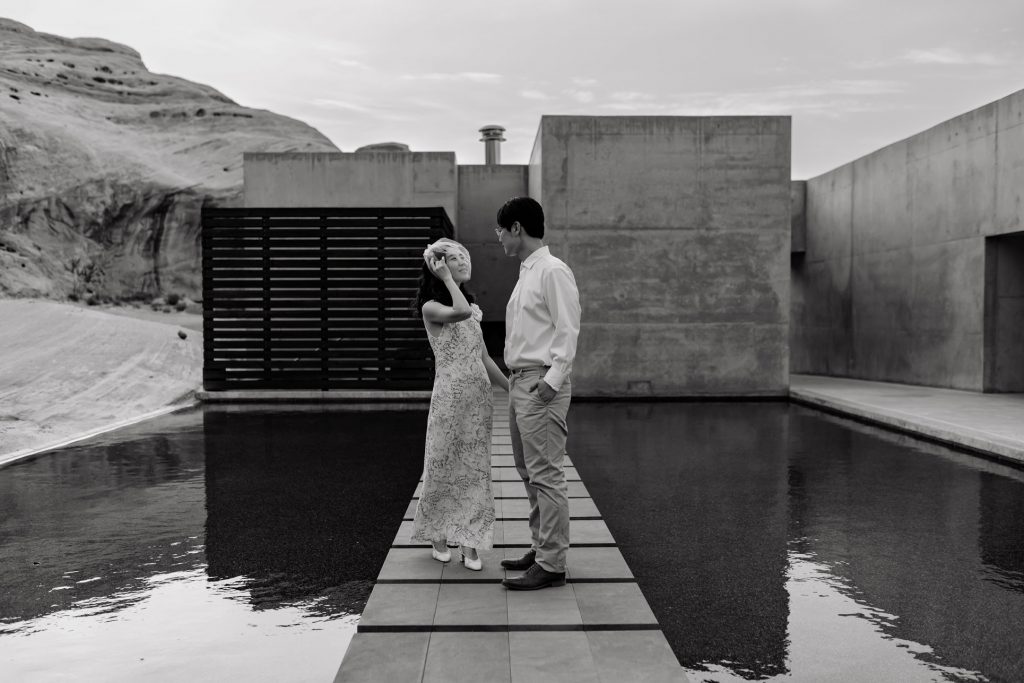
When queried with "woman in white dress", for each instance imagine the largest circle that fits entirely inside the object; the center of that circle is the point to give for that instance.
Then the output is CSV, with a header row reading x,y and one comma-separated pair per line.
x,y
457,503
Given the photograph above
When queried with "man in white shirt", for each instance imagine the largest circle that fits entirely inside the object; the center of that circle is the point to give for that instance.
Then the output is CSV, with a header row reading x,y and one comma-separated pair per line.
x,y
542,324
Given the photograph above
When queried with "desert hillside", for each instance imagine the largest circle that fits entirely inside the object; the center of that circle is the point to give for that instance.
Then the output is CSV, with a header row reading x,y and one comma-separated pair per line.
x,y
105,166
67,370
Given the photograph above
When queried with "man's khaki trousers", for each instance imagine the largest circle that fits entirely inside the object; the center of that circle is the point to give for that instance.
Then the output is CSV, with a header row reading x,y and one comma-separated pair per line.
x,y
539,432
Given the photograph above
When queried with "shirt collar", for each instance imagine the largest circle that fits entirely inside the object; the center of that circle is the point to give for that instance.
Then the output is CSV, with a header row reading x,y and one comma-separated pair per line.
x,y
534,257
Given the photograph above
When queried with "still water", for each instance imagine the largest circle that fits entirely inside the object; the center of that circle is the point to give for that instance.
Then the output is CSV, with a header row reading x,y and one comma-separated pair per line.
x,y
207,545
778,543
773,543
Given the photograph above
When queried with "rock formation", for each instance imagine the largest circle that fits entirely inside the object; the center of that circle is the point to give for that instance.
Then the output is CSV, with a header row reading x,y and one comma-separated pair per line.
x,y
105,167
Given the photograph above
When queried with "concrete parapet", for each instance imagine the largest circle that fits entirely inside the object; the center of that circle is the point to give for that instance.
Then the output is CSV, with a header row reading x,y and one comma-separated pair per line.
x,y
371,178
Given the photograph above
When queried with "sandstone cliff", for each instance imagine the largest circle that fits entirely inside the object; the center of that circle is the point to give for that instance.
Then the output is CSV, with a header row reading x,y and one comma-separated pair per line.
x,y
104,166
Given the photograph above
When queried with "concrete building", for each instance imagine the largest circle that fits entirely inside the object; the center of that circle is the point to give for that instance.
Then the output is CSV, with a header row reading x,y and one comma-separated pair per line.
x,y
677,229
678,232
908,263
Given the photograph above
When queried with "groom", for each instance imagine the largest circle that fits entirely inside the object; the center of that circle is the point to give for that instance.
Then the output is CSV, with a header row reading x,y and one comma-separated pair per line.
x,y
542,323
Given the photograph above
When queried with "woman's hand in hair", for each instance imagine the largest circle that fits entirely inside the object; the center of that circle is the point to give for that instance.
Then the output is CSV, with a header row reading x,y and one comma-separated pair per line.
x,y
439,267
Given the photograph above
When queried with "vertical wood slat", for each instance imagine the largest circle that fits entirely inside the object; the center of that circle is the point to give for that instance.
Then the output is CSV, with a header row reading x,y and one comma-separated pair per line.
x,y
226,361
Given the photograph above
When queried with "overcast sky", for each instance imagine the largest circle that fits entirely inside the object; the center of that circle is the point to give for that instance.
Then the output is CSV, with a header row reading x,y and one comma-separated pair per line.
x,y
855,75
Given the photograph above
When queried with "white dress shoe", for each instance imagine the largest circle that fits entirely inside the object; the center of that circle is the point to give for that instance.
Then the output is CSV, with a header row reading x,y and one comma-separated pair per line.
x,y
476,565
446,556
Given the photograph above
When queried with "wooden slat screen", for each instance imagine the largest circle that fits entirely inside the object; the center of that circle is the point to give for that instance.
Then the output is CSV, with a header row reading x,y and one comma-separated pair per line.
x,y
315,298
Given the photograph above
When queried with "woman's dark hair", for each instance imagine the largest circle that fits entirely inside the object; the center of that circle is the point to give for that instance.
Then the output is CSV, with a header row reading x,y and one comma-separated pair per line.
x,y
432,289
525,210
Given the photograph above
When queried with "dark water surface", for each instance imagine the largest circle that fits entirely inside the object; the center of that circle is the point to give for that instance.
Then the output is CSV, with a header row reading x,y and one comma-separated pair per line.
x,y
774,542
208,545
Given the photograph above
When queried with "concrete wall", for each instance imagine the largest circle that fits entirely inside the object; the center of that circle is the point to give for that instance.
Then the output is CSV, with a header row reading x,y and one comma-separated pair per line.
x,y
678,232
891,286
356,179
482,191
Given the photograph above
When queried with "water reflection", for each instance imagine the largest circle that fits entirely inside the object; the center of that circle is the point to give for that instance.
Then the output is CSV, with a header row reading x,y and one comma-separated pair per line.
x,y
300,502
214,545
1001,531
695,495
774,542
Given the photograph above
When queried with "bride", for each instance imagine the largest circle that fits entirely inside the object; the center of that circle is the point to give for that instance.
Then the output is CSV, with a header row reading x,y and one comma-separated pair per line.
x,y
457,503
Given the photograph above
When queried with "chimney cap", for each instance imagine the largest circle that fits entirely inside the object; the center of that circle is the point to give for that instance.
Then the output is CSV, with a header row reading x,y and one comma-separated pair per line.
x,y
492,132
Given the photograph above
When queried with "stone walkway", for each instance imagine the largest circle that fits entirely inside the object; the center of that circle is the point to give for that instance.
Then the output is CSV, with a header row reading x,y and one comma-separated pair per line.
x,y
992,424
427,621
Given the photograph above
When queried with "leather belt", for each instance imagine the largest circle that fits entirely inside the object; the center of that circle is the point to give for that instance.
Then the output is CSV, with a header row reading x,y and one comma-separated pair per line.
x,y
517,371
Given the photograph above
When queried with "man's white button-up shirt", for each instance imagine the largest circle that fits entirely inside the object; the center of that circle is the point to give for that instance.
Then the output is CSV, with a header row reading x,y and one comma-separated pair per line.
x,y
542,319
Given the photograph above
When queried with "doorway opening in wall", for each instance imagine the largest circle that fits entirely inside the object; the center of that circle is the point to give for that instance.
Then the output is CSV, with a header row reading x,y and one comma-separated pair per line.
x,y
1004,313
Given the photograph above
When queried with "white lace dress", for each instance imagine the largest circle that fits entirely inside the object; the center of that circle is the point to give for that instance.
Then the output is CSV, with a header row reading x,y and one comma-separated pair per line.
x,y
457,502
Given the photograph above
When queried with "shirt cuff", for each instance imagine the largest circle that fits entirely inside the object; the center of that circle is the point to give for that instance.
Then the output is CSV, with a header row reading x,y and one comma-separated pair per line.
x,y
554,379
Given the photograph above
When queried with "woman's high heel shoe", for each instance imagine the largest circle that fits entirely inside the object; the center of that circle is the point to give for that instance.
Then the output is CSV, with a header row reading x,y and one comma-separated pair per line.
x,y
445,556
475,565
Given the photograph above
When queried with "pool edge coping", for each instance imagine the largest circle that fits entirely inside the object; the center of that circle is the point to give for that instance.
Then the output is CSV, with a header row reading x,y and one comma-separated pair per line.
x,y
973,442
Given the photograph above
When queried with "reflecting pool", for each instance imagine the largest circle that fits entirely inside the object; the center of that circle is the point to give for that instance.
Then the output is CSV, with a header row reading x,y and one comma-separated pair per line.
x,y
775,542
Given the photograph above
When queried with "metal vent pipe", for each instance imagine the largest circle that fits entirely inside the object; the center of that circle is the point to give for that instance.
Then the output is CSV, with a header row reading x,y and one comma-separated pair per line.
x,y
492,139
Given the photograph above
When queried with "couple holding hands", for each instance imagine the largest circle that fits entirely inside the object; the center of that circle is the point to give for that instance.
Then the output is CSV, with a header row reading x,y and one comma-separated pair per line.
x,y
542,323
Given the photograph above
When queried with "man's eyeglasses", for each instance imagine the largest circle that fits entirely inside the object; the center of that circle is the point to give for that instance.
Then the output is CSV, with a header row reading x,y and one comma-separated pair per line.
x,y
498,228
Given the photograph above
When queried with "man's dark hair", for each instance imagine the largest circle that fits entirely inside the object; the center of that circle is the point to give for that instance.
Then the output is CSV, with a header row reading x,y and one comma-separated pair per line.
x,y
525,210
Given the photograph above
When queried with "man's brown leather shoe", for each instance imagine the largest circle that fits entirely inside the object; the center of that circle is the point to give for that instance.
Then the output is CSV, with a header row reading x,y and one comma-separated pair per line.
x,y
535,577
524,562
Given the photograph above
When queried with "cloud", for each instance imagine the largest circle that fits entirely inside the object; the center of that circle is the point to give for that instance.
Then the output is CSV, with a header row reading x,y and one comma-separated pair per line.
x,y
581,96
584,82
946,55
631,96
470,76
338,104
534,95
827,98
378,112
348,63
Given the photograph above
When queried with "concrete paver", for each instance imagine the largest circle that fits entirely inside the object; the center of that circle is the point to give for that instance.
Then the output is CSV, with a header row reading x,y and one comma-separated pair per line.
x,y
551,657
408,605
384,657
594,563
549,607
637,656
471,604
468,658
613,603
410,564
